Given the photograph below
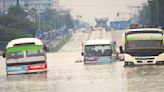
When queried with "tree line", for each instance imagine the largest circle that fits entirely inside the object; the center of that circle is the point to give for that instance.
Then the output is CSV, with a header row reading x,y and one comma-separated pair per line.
x,y
152,13
15,24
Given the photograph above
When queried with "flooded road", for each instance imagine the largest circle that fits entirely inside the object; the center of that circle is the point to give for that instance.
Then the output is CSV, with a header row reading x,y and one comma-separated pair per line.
x,y
66,75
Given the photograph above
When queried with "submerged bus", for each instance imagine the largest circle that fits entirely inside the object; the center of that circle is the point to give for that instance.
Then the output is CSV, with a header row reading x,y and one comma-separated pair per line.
x,y
143,46
99,51
25,55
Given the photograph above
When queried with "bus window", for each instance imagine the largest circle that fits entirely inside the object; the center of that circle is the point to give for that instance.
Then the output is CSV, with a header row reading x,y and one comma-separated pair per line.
x,y
98,53
35,53
107,52
15,55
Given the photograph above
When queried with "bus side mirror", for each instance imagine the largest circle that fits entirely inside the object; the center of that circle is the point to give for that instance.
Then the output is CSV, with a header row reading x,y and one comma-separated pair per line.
x,y
4,54
82,53
121,49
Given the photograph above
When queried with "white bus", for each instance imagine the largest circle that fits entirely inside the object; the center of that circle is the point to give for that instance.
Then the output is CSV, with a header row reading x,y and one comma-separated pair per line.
x,y
98,51
143,46
25,55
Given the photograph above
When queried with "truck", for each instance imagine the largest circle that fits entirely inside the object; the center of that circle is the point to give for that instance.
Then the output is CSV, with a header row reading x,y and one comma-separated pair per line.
x,y
143,46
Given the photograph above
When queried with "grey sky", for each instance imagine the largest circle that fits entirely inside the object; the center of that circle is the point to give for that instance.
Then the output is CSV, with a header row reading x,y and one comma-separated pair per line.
x,y
89,9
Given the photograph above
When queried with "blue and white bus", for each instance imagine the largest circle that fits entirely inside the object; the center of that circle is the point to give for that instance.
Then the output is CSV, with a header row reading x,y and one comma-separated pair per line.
x,y
99,51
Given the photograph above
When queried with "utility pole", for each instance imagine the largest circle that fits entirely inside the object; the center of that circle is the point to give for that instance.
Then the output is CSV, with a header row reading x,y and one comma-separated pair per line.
x,y
157,5
157,11
39,20
17,2
4,5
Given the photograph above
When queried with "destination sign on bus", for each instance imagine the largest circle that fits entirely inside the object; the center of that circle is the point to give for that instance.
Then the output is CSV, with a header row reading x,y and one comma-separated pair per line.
x,y
145,36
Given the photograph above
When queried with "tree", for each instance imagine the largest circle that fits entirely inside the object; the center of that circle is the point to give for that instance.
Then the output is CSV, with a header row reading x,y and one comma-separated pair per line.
x,y
56,19
17,11
145,16
15,25
7,34
157,10
69,21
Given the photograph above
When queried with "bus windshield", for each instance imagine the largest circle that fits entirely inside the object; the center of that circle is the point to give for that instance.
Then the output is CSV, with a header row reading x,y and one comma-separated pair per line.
x,y
144,47
144,44
98,50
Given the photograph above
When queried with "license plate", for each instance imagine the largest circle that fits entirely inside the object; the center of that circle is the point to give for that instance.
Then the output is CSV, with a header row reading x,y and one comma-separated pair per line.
x,y
17,69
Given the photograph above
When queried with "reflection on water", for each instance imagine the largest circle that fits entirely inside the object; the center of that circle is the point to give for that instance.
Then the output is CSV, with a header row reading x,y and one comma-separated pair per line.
x,y
22,77
25,83
65,75
145,78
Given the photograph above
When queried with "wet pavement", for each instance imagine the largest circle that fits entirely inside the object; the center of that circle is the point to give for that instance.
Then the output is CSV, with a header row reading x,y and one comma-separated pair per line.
x,y
66,75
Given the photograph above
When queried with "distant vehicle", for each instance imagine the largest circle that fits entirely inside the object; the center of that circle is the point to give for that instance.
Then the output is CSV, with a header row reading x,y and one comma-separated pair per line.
x,y
102,22
143,46
25,55
99,51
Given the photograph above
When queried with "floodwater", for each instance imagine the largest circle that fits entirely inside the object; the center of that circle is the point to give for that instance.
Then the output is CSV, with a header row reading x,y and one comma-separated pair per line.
x,y
66,75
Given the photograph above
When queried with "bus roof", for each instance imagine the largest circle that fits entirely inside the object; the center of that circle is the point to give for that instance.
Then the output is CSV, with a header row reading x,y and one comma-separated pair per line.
x,y
144,29
24,41
97,42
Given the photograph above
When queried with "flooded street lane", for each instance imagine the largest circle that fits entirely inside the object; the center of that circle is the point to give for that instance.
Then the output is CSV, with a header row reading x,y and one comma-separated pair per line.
x,y
66,75
77,77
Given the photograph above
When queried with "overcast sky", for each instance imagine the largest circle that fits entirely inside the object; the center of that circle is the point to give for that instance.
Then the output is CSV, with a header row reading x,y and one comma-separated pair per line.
x,y
89,9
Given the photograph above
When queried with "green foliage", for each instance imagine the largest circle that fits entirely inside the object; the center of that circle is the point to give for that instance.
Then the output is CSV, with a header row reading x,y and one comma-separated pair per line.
x,y
15,25
55,19
17,11
7,34
153,12
156,6
25,25
15,22
69,21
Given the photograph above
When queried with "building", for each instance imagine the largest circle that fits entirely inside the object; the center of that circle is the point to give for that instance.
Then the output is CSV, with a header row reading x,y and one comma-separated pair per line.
x,y
38,5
